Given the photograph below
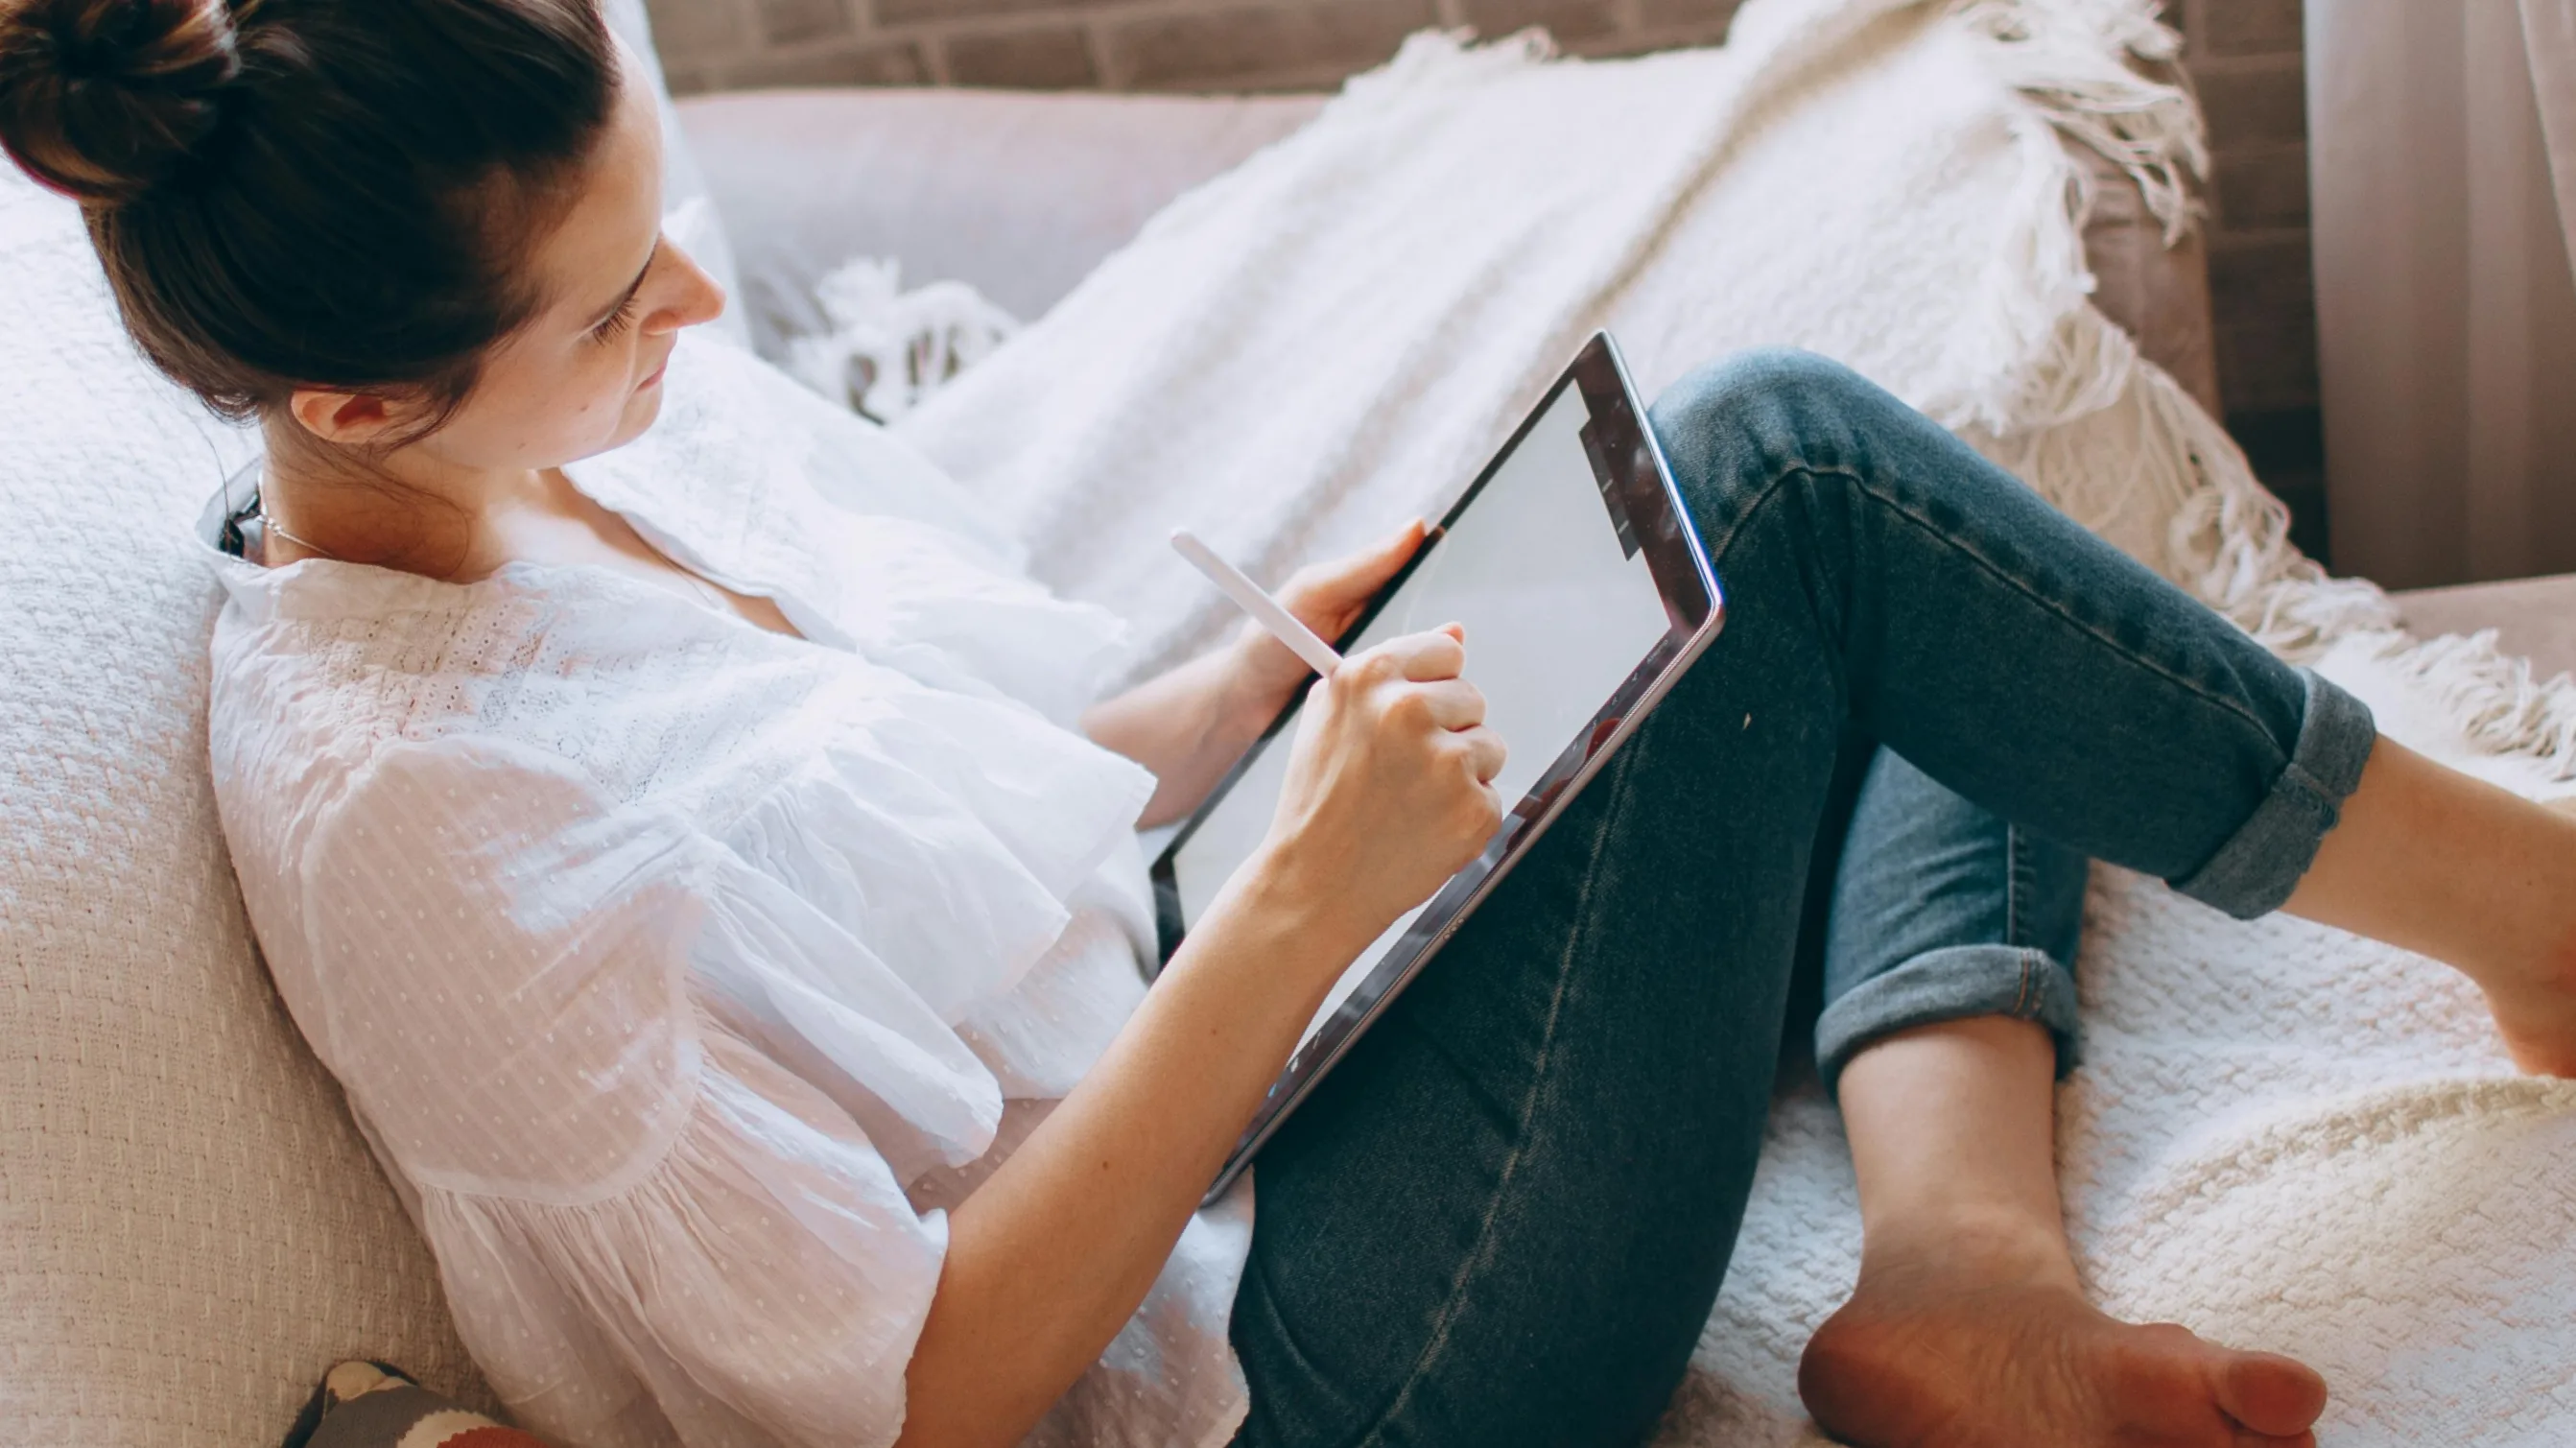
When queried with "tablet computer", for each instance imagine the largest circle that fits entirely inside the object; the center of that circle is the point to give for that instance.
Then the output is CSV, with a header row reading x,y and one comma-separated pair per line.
x,y
1572,561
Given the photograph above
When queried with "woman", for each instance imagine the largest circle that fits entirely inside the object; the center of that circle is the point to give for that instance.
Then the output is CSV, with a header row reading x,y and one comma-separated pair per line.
x,y
685,863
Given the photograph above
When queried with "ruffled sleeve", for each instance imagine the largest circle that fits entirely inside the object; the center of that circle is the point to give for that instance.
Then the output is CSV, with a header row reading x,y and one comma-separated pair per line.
x,y
643,1223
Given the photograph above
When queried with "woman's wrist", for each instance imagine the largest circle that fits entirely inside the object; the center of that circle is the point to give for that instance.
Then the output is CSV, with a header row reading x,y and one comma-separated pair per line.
x,y
1287,886
1261,676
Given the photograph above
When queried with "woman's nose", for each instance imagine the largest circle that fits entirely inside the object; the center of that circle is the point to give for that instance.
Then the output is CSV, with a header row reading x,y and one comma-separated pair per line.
x,y
696,297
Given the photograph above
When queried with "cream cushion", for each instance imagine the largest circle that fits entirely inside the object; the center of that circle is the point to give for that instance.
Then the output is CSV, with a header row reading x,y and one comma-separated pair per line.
x,y
194,1232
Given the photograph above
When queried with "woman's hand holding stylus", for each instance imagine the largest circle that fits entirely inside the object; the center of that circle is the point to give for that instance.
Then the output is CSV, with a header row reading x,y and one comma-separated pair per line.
x,y
1390,781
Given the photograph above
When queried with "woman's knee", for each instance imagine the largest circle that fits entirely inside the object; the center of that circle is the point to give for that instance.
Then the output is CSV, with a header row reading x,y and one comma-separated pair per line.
x,y
1759,376
1752,416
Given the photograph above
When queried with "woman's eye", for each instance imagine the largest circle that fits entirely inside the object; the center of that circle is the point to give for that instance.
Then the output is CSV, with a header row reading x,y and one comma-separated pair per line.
x,y
617,323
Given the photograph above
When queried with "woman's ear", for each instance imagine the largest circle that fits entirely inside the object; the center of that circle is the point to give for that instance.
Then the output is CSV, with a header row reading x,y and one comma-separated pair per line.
x,y
345,419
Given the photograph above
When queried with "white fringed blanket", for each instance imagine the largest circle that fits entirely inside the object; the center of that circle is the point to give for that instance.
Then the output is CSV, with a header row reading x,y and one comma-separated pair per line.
x,y
2283,1136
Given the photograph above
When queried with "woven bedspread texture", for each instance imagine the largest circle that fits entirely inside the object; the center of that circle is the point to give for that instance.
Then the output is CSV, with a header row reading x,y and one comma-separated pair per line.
x,y
2283,1136
191,1230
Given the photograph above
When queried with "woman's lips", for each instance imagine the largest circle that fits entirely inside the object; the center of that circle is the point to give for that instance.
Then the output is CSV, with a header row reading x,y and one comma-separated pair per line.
x,y
656,378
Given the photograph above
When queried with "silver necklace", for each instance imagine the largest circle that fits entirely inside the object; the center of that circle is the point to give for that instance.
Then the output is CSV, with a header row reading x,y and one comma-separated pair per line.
x,y
269,521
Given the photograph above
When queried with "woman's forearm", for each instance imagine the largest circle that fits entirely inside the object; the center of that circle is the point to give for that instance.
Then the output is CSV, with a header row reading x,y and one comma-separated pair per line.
x,y
1188,726
1049,1257
1388,791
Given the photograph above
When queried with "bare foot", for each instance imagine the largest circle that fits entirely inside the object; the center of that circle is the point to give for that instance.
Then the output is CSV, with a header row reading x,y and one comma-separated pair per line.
x,y
1943,1354
2538,1023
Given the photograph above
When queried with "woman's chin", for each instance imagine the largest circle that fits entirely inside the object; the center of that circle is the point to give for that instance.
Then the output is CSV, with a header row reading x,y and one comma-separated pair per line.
x,y
641,411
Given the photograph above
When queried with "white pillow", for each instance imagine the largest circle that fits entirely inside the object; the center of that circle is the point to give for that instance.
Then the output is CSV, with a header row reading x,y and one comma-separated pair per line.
x,y
195,1231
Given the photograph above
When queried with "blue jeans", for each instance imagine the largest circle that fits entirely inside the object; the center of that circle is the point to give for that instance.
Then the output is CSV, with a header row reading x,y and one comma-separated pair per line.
x,y
1504,1218
1941,910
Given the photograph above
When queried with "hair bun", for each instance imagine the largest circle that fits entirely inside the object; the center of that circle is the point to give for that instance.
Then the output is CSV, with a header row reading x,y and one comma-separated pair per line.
x,y
102,99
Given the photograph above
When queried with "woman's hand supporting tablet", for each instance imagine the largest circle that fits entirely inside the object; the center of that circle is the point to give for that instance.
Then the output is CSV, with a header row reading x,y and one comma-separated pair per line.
x,y
1389,792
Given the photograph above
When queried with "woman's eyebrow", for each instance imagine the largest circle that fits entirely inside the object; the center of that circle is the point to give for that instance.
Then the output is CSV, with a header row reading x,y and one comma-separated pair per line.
x,y
632,288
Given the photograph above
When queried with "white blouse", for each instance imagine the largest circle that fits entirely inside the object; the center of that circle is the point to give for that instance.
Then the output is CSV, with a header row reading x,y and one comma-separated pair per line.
x,y
681,972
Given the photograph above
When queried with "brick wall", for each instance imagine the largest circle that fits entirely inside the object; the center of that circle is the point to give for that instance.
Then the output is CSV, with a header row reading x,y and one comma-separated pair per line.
x,y
1119,44
2243,54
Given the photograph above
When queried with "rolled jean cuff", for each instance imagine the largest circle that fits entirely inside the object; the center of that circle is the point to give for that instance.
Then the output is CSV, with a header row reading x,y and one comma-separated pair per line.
x,y
1950,984
2258,867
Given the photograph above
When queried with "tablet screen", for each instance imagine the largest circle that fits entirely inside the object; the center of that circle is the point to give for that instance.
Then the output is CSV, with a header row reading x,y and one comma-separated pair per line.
x,y
1559,607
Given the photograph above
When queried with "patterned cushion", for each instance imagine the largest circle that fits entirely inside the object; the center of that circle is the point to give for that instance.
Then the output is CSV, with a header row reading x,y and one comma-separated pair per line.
x,y
373,1405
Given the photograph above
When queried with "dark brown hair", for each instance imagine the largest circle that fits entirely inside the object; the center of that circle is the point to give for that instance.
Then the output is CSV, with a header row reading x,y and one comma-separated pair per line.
x,y
291,193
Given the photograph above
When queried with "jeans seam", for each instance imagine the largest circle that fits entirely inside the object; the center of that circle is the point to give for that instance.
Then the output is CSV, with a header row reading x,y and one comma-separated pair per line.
x,y
2016,885
1997,571
1476,1258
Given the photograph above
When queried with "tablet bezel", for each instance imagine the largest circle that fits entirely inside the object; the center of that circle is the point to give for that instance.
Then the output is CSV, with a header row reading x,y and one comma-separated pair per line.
x,y
1636,482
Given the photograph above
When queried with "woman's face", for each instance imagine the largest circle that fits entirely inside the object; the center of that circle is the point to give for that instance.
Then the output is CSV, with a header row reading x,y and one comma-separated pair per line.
x,y
585,373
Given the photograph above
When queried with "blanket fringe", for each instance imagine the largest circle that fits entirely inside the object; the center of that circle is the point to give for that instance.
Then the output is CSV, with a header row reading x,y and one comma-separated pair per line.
x,y
2055,376
2077,63
2494,695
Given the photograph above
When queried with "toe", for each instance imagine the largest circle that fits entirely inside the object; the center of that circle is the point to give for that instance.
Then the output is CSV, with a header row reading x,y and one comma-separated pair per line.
x,y
2272,1395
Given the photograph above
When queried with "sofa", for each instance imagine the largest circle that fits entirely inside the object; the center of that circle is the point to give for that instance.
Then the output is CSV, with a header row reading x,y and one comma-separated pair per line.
x,y
193,1230
1022,194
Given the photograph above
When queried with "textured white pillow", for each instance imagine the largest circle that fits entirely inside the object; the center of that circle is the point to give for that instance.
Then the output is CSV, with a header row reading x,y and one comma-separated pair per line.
x,y
193,1231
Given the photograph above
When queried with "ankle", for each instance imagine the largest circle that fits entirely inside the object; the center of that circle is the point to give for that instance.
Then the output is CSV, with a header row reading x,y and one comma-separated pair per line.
x,y
1999,1242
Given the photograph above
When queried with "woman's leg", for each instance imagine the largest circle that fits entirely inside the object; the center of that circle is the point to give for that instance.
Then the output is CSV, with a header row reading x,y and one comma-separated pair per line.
x,y
1942,911
1950,1012
1968,1325
2457,869
1996,687
1504,1218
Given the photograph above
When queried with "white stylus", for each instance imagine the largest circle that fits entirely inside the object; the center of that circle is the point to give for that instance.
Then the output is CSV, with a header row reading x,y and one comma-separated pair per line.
x,y
1264,609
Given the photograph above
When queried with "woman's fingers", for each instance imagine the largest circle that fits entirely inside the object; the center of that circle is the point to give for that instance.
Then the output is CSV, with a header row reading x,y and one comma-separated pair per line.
x,y
1454,703
1327,595
1485,752
1426,657
1361,573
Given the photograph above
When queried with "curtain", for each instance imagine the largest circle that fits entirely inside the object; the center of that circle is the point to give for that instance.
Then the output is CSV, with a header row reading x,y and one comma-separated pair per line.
x,y
2442,161
2549,32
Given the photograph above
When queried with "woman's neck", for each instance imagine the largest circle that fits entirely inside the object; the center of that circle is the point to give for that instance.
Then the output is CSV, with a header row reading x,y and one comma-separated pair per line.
x,y
406,512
